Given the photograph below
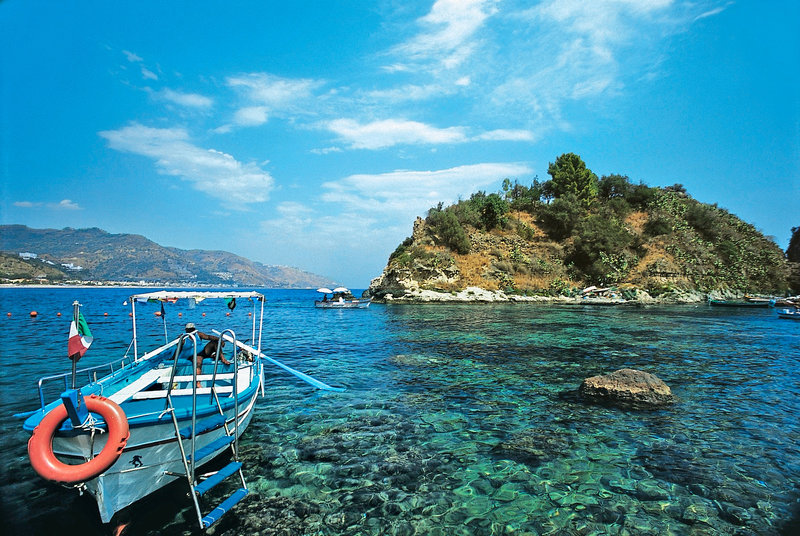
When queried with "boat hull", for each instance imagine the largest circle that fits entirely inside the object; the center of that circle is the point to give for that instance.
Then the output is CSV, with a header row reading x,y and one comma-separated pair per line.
x,y
151,459
789,315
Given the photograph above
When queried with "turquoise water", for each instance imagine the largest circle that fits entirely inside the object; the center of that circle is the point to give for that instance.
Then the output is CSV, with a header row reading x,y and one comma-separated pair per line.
x,y
457,420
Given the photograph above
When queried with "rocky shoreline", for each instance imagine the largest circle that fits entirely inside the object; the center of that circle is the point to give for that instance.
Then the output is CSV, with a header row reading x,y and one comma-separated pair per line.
x,y
480,295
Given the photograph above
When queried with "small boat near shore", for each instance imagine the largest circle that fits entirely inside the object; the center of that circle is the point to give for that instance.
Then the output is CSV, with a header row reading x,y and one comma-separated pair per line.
x,y
341,298
789,314
136,424
601,296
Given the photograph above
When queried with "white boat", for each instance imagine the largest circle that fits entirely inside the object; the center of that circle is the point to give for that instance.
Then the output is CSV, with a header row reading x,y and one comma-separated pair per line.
x,y
150,419
789,314
341,298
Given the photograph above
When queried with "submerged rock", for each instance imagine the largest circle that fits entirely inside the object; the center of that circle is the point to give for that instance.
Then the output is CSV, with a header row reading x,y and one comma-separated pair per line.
x,y
628,387
535,446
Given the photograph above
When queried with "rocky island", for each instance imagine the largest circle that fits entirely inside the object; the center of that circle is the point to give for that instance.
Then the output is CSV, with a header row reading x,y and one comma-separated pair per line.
x,y
551,240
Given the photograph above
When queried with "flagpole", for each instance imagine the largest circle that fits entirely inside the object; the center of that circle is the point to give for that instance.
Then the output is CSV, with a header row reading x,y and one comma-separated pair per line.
x,y
75,312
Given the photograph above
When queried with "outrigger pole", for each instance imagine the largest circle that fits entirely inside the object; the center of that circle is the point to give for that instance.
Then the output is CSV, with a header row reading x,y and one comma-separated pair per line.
x,y
305,377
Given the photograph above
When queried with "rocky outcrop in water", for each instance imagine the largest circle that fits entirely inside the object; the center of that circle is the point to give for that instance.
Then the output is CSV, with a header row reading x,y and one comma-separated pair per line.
x,y
535,446
626,387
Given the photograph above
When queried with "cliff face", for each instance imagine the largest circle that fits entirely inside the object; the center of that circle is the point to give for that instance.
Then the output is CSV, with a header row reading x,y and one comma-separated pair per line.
x,y
671,249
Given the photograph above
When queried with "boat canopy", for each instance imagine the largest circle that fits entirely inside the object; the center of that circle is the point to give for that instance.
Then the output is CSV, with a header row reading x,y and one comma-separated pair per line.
x,y
341,289
173,295
196,296
325,290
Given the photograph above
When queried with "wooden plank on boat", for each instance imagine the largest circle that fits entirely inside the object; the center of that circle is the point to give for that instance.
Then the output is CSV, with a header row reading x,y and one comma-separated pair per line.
x,y
147,379
149,395
204,377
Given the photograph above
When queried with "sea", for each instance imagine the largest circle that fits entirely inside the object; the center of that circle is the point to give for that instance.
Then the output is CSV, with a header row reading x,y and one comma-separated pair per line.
x,y
455,419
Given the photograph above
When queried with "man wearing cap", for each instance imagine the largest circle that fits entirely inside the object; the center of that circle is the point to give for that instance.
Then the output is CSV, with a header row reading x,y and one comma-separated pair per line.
x,y
209,350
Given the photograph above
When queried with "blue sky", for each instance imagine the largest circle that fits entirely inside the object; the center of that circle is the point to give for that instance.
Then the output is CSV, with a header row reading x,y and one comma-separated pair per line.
x,y
311,134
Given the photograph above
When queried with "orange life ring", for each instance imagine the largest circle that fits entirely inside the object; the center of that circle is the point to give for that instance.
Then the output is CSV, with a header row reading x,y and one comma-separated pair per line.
x,y
40,445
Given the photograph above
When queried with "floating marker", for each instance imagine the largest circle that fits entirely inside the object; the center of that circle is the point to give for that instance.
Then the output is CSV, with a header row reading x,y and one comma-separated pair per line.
x,y
157,313
34,314
105,314
58,314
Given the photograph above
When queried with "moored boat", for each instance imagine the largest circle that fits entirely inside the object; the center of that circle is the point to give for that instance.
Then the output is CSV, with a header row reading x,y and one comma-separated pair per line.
x,y
789,314
153,418
341,298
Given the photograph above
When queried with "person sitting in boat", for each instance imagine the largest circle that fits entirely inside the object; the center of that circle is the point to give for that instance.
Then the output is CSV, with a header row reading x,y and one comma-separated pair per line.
x,y
209,350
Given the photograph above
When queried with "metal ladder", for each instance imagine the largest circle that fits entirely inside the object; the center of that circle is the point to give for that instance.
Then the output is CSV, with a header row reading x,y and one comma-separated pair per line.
x,y
193,456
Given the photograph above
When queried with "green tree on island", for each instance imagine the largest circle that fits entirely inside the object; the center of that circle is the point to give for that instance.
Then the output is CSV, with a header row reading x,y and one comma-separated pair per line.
x,y
793,251
571,176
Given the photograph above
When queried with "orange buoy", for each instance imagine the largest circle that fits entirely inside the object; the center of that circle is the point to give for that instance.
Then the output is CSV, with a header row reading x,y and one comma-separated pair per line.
x,y
227,314
105,314
8,314
34,314
204,314
58,314
158,313
40,445
130,314
180,314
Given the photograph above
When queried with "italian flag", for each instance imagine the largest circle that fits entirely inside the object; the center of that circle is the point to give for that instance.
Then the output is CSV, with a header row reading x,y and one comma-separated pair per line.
x,y
80,338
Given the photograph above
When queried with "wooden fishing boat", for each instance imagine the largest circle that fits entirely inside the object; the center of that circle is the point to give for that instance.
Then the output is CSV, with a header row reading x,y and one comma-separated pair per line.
x,y
341,298
153,418
789,314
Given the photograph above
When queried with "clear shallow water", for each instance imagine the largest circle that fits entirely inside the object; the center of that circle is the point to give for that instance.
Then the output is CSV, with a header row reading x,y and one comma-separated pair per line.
x,y
457,419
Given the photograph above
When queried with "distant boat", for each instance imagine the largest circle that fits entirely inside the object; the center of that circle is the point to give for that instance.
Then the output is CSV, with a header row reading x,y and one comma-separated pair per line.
x,y
758,299
738,303
341,298
789,314
601,296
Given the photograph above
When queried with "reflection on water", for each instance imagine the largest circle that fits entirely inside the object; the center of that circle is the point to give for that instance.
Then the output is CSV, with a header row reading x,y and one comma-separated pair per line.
x,y
460,420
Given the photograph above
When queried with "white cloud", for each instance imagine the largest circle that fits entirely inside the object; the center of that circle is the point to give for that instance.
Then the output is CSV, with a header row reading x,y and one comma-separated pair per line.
x,y
712,12
507,135
133,58
264,94
274,92
189,100
447,39
404,194
326,150
65,204
389,132
213,172
408,92
147,74
251,116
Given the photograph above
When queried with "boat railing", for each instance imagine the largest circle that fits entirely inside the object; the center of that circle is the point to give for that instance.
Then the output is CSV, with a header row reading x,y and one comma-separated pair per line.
x,y
235,392
94,374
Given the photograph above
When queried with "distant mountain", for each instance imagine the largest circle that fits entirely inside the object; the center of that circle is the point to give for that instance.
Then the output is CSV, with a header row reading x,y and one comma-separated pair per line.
x,y
96,255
